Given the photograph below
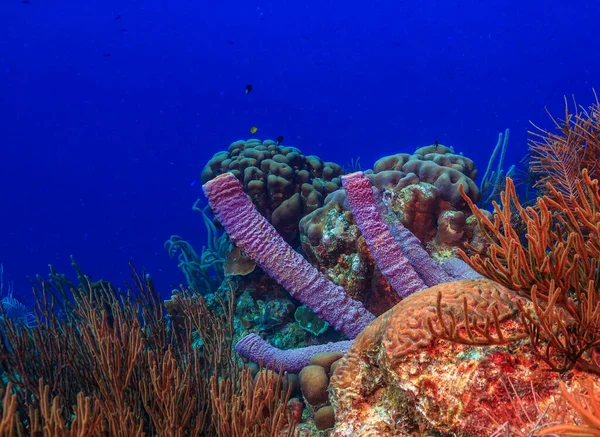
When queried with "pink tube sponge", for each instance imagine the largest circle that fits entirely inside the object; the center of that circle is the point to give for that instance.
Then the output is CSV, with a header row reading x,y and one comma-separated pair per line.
x,y
388,254
251,232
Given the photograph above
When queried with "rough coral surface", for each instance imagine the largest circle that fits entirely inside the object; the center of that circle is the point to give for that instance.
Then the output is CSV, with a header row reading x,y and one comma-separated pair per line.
x,y
283,183
399,380
332,241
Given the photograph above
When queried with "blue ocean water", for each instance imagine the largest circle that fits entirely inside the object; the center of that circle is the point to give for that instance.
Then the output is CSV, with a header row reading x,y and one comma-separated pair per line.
x,y
110,109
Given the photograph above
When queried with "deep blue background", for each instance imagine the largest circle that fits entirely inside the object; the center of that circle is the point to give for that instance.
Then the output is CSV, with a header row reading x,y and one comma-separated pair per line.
x,y
98,153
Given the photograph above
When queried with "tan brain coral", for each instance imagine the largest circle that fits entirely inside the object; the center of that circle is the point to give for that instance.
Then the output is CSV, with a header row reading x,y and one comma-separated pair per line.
x,y
398,380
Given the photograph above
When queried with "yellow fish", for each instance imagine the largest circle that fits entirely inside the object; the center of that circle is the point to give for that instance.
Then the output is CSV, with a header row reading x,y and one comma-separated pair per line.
x,y
253,129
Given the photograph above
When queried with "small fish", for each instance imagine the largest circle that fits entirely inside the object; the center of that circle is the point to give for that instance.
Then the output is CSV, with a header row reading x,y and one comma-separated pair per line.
x,y
253,129
435,144
279,139
106,55
25,2
248,88
229,41
305,37
123,30
118,17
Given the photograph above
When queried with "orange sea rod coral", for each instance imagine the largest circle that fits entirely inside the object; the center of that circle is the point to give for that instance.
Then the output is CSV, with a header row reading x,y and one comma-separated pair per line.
x,y
557,268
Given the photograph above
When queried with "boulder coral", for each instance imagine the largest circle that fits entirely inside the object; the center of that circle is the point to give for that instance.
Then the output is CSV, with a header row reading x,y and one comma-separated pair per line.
x,y
438,166
283,184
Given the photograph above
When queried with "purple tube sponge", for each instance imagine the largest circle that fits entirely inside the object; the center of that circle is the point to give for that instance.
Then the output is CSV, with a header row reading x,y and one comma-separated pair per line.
x,y
459,270
387,253
429,270
256,349
251,232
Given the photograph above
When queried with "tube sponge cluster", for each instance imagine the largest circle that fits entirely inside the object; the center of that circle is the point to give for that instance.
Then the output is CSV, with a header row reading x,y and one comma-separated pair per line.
x,y
250,231
386,250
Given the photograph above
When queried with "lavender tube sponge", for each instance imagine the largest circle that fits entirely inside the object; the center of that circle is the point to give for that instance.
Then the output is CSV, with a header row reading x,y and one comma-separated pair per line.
x,y
387,252
430,271
256,349
251,232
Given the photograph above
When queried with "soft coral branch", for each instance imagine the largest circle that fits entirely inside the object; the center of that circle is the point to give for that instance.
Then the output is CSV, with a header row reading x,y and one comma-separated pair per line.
x,y
559,157
556,267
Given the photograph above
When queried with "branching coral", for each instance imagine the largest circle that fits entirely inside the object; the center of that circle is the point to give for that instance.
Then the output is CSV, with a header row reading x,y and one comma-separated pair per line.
x,y
493,180
252,407
588,408
111,365
557,268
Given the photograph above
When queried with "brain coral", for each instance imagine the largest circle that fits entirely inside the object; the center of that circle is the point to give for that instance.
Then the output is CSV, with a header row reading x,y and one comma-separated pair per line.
x,y
284,184
397,379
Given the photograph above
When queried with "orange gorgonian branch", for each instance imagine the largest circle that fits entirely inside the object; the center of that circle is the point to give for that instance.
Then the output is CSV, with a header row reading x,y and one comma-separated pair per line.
x,y
556,267
588,408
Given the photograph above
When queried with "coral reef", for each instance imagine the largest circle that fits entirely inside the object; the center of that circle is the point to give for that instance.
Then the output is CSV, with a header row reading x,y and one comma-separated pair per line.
x,y
103,362
557,268
283,184
445,357
332,241
250,231
386,251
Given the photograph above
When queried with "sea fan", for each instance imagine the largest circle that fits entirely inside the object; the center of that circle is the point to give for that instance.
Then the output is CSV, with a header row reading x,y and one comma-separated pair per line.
x,y
559,157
